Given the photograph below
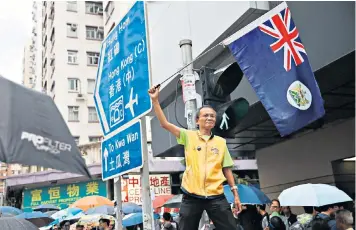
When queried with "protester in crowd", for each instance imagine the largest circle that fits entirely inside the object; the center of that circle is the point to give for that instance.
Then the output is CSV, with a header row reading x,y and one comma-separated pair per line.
x,y
261,209
168,223
327,212
344,220
66,225
249,218
79,227
202,192
104,224
276,210
292,218
276,223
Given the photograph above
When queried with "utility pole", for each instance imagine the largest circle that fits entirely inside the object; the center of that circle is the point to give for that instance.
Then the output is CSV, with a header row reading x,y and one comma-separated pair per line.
x,y
117,187
147,209
189,94
188,83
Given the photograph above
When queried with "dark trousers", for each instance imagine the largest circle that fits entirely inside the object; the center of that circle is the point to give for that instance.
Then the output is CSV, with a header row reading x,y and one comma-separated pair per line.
x,y
218,209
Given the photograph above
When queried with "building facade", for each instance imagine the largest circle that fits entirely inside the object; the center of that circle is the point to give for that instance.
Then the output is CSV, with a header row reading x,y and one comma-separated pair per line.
x,y
71,38
28,69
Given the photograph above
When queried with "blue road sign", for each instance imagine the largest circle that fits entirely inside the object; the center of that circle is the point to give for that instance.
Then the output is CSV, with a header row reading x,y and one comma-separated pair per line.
x,y
123,77
122,152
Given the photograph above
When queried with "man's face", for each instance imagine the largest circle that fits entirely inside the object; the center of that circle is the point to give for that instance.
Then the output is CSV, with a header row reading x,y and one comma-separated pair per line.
x,y
67,226
103,224
207,118
275,207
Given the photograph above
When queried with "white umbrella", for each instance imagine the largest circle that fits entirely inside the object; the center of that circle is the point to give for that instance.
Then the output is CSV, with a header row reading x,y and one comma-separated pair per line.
x,y
315,195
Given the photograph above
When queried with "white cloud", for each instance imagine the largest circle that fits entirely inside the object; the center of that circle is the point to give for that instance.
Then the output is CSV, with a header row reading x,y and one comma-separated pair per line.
x,y
16,25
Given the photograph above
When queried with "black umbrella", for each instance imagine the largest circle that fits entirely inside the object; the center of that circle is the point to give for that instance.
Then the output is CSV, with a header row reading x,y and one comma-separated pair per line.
x,y
10,223
33,132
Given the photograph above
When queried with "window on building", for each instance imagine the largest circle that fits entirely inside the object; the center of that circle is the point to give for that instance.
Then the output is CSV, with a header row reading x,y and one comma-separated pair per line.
x,y
72,6
94,8
73,113
72,30
76,139
72,56
109,9
92,116
73,84
94,32
95,139
93,58
91,85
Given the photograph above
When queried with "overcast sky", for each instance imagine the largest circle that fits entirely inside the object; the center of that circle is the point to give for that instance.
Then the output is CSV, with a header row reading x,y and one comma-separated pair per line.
x,y
16,26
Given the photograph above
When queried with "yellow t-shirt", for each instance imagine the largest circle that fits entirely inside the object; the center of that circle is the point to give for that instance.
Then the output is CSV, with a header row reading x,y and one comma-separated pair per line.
x,y
183,140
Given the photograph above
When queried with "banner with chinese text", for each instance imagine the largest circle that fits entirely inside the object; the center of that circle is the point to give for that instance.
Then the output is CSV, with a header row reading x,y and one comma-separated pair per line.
x,y
62,195
131,187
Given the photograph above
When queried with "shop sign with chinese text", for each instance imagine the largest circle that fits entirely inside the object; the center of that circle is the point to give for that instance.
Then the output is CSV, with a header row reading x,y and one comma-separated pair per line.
x,y
62,195
131,187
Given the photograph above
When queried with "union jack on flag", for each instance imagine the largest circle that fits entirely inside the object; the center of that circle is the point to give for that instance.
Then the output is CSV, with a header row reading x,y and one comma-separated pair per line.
x,y
280,27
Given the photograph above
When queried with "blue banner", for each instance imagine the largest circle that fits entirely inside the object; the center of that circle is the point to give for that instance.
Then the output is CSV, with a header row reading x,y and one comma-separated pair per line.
x,y
270,53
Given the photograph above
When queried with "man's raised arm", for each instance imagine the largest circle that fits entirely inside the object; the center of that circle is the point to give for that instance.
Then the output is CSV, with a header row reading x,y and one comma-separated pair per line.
x,y
154,93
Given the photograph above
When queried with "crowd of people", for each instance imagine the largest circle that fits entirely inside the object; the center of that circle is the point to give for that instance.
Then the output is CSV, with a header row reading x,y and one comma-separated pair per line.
x,y
328,217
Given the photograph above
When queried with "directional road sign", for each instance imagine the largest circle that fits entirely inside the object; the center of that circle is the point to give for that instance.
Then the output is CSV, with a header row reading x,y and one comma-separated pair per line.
x,y
123,77
122,152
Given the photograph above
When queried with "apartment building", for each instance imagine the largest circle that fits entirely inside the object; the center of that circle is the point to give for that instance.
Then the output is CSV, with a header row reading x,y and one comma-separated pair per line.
x,y
28,68
72,32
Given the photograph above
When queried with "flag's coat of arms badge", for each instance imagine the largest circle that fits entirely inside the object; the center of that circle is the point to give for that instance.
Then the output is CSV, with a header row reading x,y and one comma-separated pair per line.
x,y
299,96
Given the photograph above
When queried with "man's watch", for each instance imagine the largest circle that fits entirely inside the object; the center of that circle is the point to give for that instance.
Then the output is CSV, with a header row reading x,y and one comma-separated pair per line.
x,y
233,188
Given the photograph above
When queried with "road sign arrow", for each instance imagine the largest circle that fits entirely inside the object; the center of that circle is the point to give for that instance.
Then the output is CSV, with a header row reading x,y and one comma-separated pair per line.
x,y
106,155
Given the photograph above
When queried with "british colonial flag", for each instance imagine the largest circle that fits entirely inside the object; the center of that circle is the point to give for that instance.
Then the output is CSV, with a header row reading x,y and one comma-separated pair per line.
x,y
281,27
271,55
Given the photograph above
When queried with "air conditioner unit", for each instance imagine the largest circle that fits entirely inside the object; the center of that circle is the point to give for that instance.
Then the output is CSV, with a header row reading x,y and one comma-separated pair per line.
x,y
100,11
51,16
73,27
53,56
80,97
52,5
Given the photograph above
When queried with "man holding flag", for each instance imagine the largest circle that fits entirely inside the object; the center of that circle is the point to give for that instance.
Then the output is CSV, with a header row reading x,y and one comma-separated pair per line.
x,y
271,55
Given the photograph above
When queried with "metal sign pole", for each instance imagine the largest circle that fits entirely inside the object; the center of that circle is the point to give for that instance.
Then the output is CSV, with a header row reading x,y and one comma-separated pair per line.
x,y
145,174
118,225
145,171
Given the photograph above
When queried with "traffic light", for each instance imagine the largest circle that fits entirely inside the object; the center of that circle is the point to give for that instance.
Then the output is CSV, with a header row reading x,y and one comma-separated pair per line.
x,y
217,87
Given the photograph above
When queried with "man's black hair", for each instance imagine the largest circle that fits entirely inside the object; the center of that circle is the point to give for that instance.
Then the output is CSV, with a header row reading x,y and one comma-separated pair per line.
x,y
319,224
276,200
262,207
105,221
308,209
277,223
325,208
204,106
167,216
